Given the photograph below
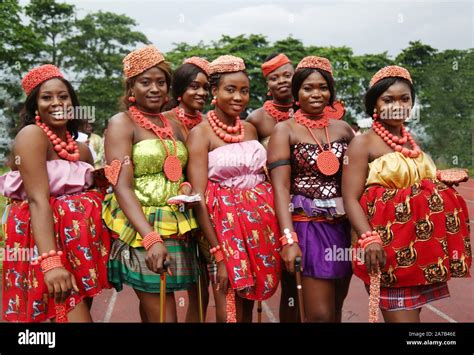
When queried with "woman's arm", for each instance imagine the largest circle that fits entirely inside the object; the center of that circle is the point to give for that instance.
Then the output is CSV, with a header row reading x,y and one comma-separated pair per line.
x,y
197,173
353,184
118,146
33,171
279,149
85,153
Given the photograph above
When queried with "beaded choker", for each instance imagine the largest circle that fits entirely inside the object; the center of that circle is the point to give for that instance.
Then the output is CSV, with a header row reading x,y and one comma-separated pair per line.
x,y
271,108
189,121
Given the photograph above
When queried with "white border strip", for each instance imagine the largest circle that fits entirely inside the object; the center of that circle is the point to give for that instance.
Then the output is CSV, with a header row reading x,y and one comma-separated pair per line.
x,y
110,307
269,313
441,314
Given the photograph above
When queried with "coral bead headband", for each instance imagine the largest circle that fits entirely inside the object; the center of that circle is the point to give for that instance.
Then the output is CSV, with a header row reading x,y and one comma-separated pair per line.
x,y
227,64
39,75
313,62
140,60
392,71
201,63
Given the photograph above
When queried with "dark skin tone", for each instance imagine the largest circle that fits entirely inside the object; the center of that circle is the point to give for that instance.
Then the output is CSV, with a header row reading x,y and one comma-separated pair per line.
x,y
150,90
279,84
193,101
322,298
232,96
53,96
393,108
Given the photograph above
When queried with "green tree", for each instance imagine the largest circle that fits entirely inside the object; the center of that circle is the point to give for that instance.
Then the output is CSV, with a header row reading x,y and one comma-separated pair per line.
x,y
53,23
101,42
447,93
96,52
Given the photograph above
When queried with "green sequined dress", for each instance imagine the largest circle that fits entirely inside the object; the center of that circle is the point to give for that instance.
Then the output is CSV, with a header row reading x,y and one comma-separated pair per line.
x,y
152,188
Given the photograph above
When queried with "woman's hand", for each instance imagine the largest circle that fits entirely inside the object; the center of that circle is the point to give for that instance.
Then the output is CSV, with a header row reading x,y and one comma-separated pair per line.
x,y
155,257
375,257
222,277
60,282
289,253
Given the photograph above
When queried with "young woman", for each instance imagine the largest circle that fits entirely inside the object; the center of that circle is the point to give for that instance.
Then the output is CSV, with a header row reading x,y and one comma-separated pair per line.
x,y
146,157
412,227
305,156
278,71
226,166
53,219
190,90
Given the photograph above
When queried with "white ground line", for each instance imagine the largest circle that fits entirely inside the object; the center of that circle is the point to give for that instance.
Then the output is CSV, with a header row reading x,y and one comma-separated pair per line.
x,y
110,307
441,314
269,312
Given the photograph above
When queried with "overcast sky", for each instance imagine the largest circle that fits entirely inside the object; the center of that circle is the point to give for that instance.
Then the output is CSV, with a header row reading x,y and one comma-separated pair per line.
x,y
365,26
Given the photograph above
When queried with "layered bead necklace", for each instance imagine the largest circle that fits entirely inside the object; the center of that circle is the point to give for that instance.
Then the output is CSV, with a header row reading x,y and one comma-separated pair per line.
x,y
396,143
272,109
189,121
224,131
327,162
172,166
68,151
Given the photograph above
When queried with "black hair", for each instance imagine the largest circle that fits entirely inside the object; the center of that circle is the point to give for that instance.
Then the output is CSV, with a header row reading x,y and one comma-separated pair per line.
x,y
300,76
182,77
379,88
214,79
28,112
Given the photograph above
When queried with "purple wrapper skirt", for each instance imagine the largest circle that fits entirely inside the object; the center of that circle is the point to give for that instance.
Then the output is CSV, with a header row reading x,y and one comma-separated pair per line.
x,y
326,246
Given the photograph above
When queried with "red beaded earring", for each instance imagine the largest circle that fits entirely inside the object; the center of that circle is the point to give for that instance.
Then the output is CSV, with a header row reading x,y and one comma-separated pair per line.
x,y
180,98
214,101
132,99
297,103
375,116
37,117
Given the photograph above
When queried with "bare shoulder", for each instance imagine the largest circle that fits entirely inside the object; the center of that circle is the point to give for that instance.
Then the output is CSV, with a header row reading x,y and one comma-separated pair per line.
x,y
199,132
83,147
283,127
249,127
256,116
360,143
120,119
32,135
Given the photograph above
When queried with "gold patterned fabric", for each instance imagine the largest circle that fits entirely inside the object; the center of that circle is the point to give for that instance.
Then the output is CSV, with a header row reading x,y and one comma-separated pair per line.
x,y
423,223
395,171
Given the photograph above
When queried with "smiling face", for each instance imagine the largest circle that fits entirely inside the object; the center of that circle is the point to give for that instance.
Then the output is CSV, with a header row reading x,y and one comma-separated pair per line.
x,y
196,94
232,93
54,103
394,104
279,82
150,90
314,94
